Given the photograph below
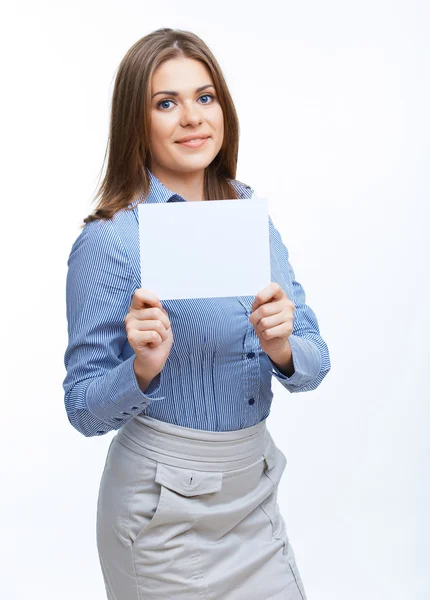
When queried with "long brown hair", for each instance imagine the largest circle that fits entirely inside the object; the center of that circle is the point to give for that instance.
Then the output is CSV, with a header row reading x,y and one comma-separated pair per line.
x,y
128,146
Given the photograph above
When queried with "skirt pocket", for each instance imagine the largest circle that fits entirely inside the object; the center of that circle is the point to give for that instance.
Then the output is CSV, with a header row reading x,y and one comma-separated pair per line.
x,y
125,472
275,466
146,500
165,496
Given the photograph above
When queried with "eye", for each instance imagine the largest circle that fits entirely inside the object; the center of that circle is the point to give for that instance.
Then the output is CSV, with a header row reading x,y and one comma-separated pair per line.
x,y
163,102
207,96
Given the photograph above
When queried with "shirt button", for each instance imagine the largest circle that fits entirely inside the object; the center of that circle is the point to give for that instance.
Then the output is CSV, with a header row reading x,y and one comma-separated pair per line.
x,y
250,355
251,401
176,198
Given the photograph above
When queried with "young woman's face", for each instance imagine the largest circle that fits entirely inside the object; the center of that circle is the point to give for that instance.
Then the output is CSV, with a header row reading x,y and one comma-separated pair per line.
x,y
189,112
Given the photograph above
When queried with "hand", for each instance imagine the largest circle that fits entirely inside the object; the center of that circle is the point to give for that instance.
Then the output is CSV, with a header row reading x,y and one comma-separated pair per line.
x,y
273,320
148,331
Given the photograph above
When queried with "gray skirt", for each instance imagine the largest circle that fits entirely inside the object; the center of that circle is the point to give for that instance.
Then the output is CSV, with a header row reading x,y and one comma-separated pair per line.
x,y
190,514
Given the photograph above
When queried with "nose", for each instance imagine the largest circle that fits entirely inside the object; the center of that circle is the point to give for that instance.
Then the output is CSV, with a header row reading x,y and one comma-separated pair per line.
x,y
191,115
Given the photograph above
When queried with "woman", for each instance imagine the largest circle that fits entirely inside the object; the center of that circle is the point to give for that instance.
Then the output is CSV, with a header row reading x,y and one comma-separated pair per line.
x,y
187,505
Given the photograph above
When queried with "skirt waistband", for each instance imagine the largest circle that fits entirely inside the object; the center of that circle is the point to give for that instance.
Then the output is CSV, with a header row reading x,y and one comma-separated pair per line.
x,y
194,448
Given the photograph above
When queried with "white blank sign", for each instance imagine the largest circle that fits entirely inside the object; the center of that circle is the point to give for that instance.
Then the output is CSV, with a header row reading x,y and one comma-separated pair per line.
x,y
204,249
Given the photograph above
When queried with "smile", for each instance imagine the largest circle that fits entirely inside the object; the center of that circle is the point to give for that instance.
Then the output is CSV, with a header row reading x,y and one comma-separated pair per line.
x,y
197,143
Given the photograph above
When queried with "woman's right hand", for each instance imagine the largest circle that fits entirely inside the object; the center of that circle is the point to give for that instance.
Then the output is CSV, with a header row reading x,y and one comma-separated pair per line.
x,y
148,331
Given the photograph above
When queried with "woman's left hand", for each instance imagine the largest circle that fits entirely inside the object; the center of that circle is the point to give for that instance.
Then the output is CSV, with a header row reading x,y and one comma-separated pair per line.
x,y
273,320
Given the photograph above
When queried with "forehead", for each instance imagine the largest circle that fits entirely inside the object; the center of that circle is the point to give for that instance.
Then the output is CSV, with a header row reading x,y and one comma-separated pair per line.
x,y
180,75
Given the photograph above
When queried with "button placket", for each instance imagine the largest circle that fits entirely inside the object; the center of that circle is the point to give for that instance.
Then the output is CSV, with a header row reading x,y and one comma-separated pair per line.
x,y
251,366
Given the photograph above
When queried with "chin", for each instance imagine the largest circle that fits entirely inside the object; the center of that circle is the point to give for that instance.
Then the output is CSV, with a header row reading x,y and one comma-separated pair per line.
x,y
197,164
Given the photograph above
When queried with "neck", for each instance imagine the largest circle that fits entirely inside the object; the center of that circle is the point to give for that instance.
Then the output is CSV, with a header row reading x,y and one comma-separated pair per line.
x,y
188,185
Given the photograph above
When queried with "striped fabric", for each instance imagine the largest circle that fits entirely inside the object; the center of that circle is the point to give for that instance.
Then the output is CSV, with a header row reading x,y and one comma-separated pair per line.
x,y
216,378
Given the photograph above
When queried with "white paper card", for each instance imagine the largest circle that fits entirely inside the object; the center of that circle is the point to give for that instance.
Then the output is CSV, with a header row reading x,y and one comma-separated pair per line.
x,y
204,249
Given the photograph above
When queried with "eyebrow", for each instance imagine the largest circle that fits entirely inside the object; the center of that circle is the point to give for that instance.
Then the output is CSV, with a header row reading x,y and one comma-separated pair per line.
x,y
172,93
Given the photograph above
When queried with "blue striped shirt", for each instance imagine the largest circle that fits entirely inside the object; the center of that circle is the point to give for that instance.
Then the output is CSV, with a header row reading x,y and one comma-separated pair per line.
x,y
216,377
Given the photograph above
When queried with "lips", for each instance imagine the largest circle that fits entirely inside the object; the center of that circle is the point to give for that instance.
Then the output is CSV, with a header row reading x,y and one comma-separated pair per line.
x,y
194,143
190,138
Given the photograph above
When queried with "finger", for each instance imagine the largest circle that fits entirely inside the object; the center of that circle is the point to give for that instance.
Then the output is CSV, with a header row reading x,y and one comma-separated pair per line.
x,y
143,297
144,314
272,291
266,310
269,322
280,331
138,339
157,326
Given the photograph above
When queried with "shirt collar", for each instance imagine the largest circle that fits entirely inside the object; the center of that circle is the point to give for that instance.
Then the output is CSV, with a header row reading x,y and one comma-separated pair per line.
x,y
158,192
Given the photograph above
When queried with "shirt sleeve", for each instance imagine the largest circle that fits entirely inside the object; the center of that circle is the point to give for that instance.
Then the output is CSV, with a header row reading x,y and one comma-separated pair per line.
x,y
310,353
101,389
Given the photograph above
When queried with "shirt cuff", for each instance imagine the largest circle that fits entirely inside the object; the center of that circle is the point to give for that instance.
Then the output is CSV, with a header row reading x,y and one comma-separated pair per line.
x,y
117,397
307,363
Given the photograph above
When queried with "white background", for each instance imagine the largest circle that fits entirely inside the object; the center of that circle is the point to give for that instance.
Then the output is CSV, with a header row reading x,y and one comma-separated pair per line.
x,y
333,104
